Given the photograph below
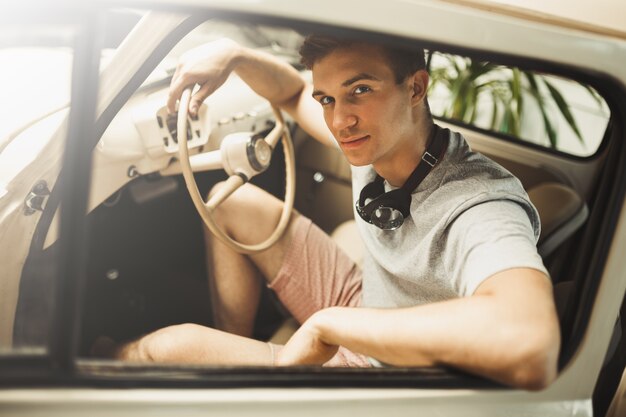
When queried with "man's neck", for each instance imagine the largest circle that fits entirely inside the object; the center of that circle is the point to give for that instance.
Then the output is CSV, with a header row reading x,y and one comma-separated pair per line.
x,y
397,168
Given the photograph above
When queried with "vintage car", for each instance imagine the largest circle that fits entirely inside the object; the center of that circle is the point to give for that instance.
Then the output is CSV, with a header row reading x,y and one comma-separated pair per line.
x,y
99,235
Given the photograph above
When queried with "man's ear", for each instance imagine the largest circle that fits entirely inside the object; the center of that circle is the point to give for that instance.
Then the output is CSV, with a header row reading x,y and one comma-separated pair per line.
x,y
419,82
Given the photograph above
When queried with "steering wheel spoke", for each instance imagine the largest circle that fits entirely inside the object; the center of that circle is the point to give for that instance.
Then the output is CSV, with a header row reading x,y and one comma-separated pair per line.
x,y
275,134
206,161
230,186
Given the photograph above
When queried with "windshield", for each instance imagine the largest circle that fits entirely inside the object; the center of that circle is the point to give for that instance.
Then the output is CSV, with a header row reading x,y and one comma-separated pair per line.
x,y
37,78
277,41
35,81
37,69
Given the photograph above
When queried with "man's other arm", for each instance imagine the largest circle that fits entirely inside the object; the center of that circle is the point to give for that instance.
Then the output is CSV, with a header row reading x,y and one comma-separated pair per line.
x,y
507,331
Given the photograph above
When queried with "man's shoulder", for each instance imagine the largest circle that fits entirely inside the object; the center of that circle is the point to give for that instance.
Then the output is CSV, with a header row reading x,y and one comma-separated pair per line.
x,y
465,179
463,157
473,172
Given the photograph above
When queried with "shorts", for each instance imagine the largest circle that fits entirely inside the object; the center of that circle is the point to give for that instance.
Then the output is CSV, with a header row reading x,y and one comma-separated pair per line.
x,y
317,274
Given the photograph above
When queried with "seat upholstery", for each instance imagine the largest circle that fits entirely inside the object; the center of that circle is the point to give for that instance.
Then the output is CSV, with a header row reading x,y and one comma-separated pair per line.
x,y
562,212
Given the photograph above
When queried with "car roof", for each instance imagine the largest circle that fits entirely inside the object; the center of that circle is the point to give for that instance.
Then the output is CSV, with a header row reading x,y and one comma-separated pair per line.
x,y
598,16
568,33
605,17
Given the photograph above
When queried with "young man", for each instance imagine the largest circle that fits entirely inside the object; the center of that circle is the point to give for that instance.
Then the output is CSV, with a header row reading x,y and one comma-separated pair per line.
x,y
457,282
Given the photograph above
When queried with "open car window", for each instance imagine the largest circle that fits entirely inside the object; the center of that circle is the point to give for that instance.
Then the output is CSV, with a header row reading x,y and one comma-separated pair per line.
x,y
147,266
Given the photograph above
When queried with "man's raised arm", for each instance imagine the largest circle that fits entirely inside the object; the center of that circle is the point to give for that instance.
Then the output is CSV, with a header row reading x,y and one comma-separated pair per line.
x,y
210,65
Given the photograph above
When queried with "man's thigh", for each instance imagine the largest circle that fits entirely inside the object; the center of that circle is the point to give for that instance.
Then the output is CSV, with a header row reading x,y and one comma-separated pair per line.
x,y
315,273
305,268
249,216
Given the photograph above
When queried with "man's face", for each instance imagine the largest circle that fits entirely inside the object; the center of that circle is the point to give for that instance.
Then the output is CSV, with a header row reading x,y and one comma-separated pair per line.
x,y
371,116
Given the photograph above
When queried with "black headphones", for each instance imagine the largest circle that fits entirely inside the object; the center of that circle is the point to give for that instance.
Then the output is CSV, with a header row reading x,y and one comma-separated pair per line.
x,y
387,211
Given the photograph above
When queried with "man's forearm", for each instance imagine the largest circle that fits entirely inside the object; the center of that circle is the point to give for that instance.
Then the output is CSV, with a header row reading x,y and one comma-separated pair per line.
x,y
273,79
282,85
268,76
479,334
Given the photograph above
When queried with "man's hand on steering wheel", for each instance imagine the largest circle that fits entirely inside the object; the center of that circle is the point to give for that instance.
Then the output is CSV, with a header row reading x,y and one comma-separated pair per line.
x,y
208,66
243,155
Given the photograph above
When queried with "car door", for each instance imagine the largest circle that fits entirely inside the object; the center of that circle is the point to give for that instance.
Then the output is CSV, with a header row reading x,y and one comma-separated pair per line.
x,y
53,379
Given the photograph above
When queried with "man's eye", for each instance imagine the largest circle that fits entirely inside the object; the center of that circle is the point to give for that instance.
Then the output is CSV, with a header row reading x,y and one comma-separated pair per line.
x,y
326,100
362,89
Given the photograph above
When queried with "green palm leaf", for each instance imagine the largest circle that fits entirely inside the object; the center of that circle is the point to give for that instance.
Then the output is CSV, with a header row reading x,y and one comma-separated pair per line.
x,y
564,108
468,80
594,94
494,111
536,94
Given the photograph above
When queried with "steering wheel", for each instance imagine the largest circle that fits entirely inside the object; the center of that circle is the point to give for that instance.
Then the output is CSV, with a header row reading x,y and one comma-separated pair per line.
x,y
242,157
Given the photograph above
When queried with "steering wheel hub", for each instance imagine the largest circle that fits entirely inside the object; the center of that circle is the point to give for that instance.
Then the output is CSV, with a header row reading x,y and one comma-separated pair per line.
x,y
259,153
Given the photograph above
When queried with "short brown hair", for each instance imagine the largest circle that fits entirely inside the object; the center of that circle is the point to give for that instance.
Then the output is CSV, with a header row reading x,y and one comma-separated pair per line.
x,y
403,61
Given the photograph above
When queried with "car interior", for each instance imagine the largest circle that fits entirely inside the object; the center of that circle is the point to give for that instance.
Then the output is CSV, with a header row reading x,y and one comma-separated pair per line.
x,y
146,254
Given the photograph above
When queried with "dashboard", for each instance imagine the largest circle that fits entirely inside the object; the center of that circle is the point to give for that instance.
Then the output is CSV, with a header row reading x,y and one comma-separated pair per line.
x,y
142,138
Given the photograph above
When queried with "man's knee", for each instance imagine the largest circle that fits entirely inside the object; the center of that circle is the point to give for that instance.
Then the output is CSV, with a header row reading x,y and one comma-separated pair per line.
x,y
247,204
224,214
236,202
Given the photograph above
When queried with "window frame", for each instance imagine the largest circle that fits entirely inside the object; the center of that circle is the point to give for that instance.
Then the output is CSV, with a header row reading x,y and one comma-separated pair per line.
x,y
40,360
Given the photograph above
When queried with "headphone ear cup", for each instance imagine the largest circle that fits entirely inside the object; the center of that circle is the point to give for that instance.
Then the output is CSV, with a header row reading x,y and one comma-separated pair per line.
x,y
380,201
397,199
404,202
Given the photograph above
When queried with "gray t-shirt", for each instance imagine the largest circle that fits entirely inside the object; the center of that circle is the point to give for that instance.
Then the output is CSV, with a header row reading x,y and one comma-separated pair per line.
x,y
470,218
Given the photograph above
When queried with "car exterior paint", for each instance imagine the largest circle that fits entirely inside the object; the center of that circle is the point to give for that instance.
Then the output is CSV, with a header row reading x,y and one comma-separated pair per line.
x,y
569,395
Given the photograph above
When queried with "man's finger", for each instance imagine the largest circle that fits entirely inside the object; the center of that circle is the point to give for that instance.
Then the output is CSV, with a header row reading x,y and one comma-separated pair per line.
x,y
199,97
176,89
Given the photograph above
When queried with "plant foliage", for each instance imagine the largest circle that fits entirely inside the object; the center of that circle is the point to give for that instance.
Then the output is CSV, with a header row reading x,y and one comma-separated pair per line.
x,y
467,81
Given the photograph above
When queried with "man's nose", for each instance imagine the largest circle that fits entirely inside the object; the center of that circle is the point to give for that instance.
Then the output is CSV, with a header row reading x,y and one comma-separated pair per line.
x,y
343,117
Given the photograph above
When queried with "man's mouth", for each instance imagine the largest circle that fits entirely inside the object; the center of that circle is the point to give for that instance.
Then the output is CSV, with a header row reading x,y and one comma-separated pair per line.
x,y
354,141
